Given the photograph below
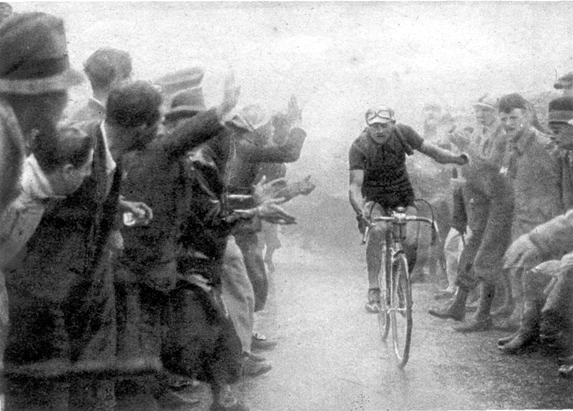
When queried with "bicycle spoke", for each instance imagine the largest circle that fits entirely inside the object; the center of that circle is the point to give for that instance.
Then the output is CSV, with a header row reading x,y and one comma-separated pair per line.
x,y
383,314
401,310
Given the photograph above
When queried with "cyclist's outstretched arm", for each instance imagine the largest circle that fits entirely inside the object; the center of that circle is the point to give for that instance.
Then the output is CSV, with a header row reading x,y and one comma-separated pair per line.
x,y
442,156
355,190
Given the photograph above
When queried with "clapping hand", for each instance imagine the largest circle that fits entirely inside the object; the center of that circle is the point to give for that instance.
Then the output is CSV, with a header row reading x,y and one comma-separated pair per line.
x,y
230,97
269,211
294,114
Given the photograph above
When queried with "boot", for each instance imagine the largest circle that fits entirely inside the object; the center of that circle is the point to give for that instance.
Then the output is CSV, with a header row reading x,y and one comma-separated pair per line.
x,y
504,340
508,304
482,320
456,310
528,333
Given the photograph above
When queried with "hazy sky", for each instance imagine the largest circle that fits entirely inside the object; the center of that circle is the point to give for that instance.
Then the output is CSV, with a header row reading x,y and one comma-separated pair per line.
x,y
338,58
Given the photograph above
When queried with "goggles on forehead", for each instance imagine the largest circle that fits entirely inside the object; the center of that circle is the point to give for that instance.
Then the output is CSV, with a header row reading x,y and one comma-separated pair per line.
x,y
381,116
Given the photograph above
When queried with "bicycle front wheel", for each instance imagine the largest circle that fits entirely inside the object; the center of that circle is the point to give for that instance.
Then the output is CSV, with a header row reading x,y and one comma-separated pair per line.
x,y
385,301
401,308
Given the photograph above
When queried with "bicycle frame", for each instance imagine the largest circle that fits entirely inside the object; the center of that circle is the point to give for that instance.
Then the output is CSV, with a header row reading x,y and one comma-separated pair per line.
x,y
397,299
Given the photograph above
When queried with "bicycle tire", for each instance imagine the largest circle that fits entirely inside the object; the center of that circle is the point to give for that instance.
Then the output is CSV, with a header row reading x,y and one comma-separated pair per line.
x,y
385,301
401,308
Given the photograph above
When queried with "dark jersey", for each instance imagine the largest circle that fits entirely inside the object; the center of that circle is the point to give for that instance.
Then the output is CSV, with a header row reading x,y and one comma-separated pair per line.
x,y
386,179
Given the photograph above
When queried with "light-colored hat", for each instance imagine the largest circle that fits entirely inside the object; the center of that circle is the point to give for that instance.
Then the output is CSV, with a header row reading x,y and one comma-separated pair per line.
x,y
34,55
486,101
251,118
380,115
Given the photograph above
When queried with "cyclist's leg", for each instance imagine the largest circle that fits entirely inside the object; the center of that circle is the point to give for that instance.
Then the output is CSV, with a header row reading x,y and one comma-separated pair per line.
x,y
374,251
416,233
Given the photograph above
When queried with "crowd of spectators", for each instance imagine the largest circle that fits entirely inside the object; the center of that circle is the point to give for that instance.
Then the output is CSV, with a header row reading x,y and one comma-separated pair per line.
x,y
129,248
510,206
133,230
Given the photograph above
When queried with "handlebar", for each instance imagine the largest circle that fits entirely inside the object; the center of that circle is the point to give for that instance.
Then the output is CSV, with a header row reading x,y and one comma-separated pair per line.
x,y
397,218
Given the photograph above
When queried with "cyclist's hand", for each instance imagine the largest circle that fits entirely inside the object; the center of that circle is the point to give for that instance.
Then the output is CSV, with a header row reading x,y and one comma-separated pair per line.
x,y
362,224
522,253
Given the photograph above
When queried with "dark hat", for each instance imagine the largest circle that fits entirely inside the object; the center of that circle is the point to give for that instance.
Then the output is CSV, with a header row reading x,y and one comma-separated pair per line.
x,y
564,82
512,101
251,118
34,55
561,110
106,65
186,103
180,80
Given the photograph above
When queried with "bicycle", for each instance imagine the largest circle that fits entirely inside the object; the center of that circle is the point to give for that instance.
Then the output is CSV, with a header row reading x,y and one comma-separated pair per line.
x,y
396,288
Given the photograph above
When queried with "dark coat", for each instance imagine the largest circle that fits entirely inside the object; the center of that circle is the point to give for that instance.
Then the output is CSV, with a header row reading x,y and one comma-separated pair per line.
x,y
61,298
183,323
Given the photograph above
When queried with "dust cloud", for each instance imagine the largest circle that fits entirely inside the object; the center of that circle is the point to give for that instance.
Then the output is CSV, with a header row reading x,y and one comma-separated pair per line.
x,y
338,59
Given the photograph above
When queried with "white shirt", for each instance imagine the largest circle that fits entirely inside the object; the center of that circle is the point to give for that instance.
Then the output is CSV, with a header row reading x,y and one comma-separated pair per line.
x,y
21,218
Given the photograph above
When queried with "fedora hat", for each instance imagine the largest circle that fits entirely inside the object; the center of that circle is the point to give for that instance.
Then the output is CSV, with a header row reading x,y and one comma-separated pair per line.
x,y
35,55
186,103
180,80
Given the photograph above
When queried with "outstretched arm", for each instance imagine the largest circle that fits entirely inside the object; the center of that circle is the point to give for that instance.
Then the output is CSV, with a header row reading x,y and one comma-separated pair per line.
x,y
442,156
203,126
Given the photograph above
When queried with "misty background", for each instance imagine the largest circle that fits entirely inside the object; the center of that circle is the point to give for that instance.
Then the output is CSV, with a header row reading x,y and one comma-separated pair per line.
x,y
338,59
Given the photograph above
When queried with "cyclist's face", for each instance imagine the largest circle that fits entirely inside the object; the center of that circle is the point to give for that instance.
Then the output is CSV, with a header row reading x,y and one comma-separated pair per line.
x,y
382,130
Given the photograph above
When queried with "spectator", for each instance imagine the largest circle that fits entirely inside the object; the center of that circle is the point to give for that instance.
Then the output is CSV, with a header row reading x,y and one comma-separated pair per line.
x,y
553,275
106,69
6,11
534,175
55,170
63,325
488,203
152,272
37,75
251,152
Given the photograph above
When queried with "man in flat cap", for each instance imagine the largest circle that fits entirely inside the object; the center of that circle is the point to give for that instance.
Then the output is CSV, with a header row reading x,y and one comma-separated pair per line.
x,y
379,181
487,200
548,287
251,152
533,173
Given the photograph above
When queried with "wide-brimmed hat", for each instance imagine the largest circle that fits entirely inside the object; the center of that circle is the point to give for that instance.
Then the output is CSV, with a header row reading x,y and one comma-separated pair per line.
x,y
34,55
180,80
186,103
251,118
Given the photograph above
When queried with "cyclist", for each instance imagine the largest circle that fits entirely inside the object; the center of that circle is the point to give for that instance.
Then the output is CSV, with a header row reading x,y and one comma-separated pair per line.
x,y
379,181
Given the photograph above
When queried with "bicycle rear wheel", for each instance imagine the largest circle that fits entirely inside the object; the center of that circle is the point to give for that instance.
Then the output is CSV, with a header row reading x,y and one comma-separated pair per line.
x,y
383,283
401,308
